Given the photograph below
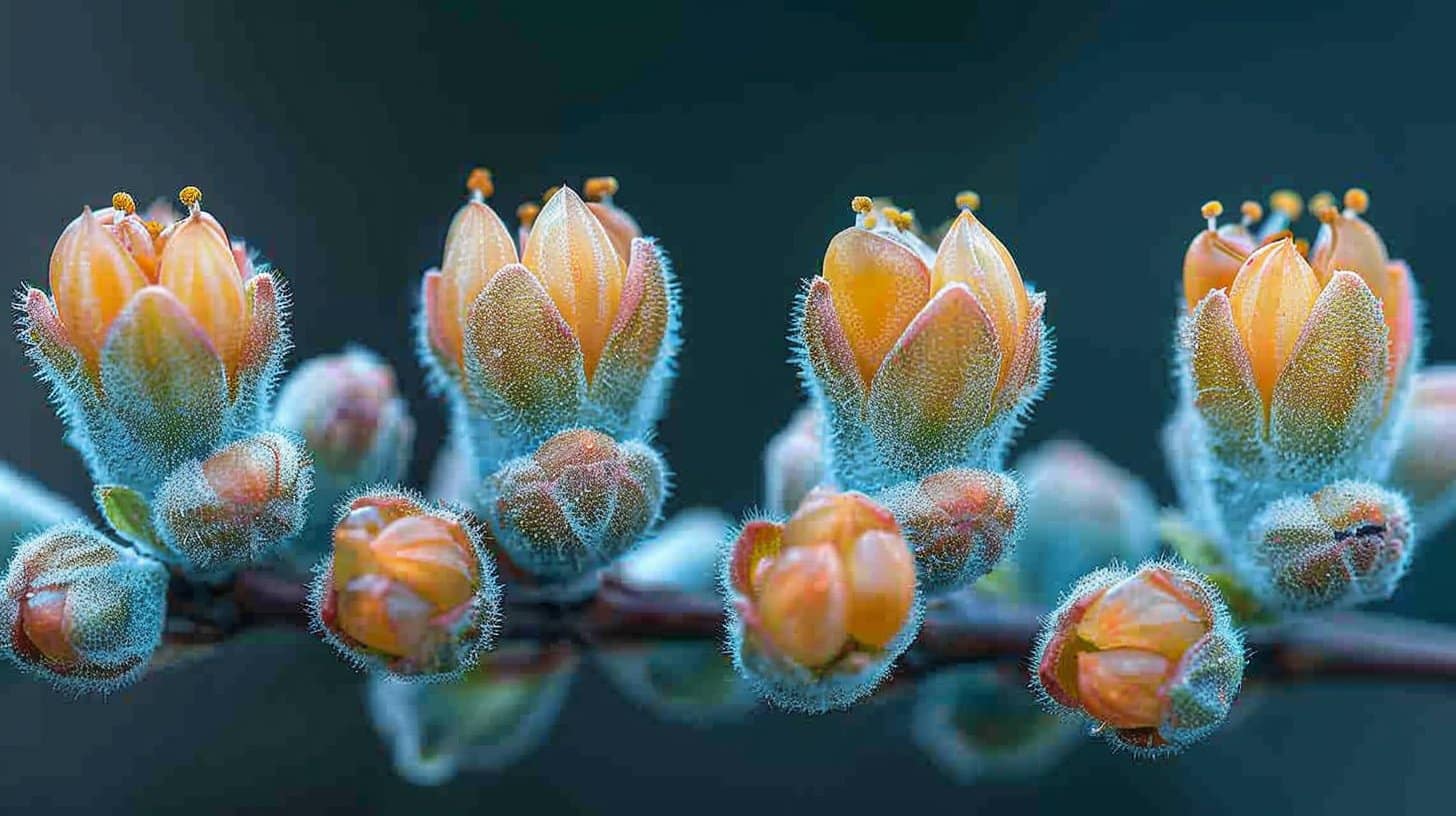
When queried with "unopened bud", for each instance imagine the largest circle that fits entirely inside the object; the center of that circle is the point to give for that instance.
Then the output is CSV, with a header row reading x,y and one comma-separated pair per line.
x,y
237,505
1150,657
81,611
408,589
576,504
959,523
793,463
1425,461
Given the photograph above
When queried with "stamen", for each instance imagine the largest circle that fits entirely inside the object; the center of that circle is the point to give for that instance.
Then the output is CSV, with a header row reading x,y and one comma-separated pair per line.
x,y
600,188
1212,210
968,200
1320,200
191,198
123,202
1357,201
1253,213
480,183
154,228
1288,203
527,212
904,220
1274,237
1302,246
861,204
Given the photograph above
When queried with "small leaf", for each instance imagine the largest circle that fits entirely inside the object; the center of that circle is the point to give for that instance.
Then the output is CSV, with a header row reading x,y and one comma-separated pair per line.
x,y
129,515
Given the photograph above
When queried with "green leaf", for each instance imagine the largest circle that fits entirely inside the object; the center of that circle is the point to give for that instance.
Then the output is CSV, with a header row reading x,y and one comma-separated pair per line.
x,y
130,516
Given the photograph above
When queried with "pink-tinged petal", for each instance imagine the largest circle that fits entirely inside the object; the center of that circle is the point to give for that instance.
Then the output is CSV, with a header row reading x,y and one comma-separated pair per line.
x,y
830,354
430,301
760,541
42,329
1334,386
262,338
878,285
160,372
934,391
635,343
520,351
1023,377
1222,379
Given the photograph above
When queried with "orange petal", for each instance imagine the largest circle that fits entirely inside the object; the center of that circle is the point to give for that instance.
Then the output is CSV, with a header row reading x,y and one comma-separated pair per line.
x,y
92,280
1121,687
636,340
803,604
835,518
970,254
1271,298
1351,244
430,555
572,255
758,542
43,616
878,286
1399,306
383,615
881,587
1151,610
1213,261
476,247
199,268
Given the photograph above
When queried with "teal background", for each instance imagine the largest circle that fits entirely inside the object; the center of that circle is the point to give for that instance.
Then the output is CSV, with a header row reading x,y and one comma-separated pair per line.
x,y
337,136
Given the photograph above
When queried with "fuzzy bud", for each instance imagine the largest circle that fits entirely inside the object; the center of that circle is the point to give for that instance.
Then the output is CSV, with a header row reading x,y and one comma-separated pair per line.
x,y
793,463
1344,544
80,611
1150,657
1425,461
237,505
959,523
822,604
408,589
577,503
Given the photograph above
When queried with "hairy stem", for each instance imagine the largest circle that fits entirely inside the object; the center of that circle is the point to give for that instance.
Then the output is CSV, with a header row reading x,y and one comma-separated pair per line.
x,y
959,630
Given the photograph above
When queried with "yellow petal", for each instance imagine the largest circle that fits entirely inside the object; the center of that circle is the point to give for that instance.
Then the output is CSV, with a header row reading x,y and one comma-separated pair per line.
x,y
1151,610
877,286
92,279
199,267
881,587
1121,687
572,255
1351,244
1271,298
970,254
476,247
803,604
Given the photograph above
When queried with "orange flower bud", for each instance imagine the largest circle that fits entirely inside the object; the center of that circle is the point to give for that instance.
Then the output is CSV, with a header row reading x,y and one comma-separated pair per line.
x,y
1272,297
92,279
198,267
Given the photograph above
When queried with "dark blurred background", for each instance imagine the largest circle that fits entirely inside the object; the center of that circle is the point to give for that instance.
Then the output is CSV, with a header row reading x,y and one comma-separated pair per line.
x,y
337,138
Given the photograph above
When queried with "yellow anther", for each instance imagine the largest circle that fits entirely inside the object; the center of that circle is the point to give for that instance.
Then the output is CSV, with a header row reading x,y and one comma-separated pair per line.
x,y
1252,211
190,196
1212,209
1320,200
527,212
480,181
968,200
1326,213
902,219
123,202
861,204
870,221
1357,200
1287,202
154,228
600,187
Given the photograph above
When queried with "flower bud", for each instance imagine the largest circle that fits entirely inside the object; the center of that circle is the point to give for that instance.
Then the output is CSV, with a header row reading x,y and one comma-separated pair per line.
x,y
407,589
822,604
348,411
919,364
81,611
959,523
1342,545
1082,512
487,719
793,463
977,723
1425,461
1150,657
237,505
577,503
157,348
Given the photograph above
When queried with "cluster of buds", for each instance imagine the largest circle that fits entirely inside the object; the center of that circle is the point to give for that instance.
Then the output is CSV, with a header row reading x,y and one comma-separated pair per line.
x,y
1295,365
573,329
348,411
820,606
1150,658
1082,513
408,589
577,503
162,343
977,723
919,360
1425,468
486,719
80,611
160,346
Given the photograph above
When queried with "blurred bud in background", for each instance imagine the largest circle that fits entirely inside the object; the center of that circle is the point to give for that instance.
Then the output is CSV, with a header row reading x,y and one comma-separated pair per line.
x,y
978,723
485,720
80,611
793,463
1082,512
27,507
348,411
1425,462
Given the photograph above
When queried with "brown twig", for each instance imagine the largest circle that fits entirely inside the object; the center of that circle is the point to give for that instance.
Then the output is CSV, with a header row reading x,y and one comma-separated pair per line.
x,y
1350,645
